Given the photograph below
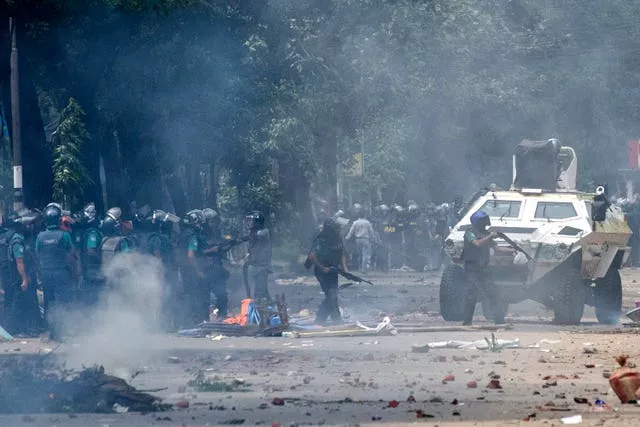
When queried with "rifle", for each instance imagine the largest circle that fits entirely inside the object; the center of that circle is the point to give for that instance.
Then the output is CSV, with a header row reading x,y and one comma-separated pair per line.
x,y
513,244
224,246
350,276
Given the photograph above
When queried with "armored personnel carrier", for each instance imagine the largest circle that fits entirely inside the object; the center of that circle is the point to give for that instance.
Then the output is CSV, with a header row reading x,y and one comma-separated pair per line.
x,y
569,245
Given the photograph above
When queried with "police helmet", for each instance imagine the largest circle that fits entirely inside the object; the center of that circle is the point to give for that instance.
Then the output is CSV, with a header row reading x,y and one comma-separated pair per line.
x,y
398,209
89,212
412,207
330,225
430,208
480,220
255,220
53,215
111,220
194,218
382,210
142,214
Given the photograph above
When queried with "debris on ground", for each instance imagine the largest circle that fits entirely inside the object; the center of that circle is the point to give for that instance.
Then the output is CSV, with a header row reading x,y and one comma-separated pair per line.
x,y
494,385
349,330
624,380
38,385
575,419
277,401
214,385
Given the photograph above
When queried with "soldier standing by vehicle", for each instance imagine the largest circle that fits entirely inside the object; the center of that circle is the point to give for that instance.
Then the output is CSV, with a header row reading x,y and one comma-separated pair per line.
x,y
476,253
54,249
260,253
327,255
24,313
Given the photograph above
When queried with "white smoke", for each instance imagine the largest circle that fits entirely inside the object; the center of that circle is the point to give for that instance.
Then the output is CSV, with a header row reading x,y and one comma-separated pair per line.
x,y
122,329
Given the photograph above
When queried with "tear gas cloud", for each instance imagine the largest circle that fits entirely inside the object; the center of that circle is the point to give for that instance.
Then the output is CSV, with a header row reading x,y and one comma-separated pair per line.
x,y
122,329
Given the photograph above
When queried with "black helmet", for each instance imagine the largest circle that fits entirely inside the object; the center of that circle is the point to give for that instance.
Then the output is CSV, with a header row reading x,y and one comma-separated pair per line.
x,y
53,215
111,221
142,214
194,218
255,220
356,210
330,225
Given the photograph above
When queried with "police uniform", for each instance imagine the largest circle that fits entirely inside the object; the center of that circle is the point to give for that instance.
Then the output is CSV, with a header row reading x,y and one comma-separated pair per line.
x,y
24,313
91,264
198,293
53,247
259,262
476,262
328,252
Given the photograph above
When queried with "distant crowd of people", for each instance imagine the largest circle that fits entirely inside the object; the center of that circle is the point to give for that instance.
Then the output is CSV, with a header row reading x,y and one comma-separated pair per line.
x,y
390,237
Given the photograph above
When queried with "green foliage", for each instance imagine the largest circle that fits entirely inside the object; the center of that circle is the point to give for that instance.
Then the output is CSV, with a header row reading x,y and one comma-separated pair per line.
x,y
277,94
70,175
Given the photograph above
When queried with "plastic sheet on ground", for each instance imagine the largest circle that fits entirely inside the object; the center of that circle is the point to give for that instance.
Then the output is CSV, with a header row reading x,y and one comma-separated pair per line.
x,y
354,329
483,345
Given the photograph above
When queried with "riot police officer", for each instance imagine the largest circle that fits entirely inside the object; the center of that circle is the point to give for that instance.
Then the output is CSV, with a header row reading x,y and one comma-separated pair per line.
x,y
327,255
260,252
196,285
159,245
394,235
56,257
476,254
215,252
381,225
90,242
413,252
113,240
23,311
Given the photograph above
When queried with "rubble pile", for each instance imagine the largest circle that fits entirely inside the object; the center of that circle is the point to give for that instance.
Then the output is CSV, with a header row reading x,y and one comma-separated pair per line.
x,y
35,385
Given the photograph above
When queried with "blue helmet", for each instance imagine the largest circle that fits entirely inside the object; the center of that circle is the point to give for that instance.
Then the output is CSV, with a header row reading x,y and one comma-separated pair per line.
x,y
480,219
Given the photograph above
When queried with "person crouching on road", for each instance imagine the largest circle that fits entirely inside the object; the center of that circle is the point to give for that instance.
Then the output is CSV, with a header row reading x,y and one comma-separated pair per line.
x,y
476,256
327,254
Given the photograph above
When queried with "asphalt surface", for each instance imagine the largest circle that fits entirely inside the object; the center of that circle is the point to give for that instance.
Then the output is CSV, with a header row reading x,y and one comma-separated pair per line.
x,y
355,380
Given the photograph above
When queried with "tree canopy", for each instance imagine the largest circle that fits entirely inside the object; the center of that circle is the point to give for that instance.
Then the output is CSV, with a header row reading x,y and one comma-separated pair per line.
x,y
265,104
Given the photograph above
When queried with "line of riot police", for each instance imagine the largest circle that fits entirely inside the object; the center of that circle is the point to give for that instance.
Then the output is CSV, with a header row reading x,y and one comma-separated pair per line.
x,y
405,236
64,254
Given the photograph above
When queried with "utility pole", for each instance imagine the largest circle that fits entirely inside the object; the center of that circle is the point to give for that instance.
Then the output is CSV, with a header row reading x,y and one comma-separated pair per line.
x,y
15,119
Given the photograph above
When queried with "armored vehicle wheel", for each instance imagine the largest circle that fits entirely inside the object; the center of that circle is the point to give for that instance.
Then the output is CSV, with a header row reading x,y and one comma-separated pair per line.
x,y
608,298
493,312
569,298
454,287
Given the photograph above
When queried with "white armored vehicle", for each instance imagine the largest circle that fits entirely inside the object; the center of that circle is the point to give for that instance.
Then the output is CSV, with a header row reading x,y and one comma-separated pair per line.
x,y
575,242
